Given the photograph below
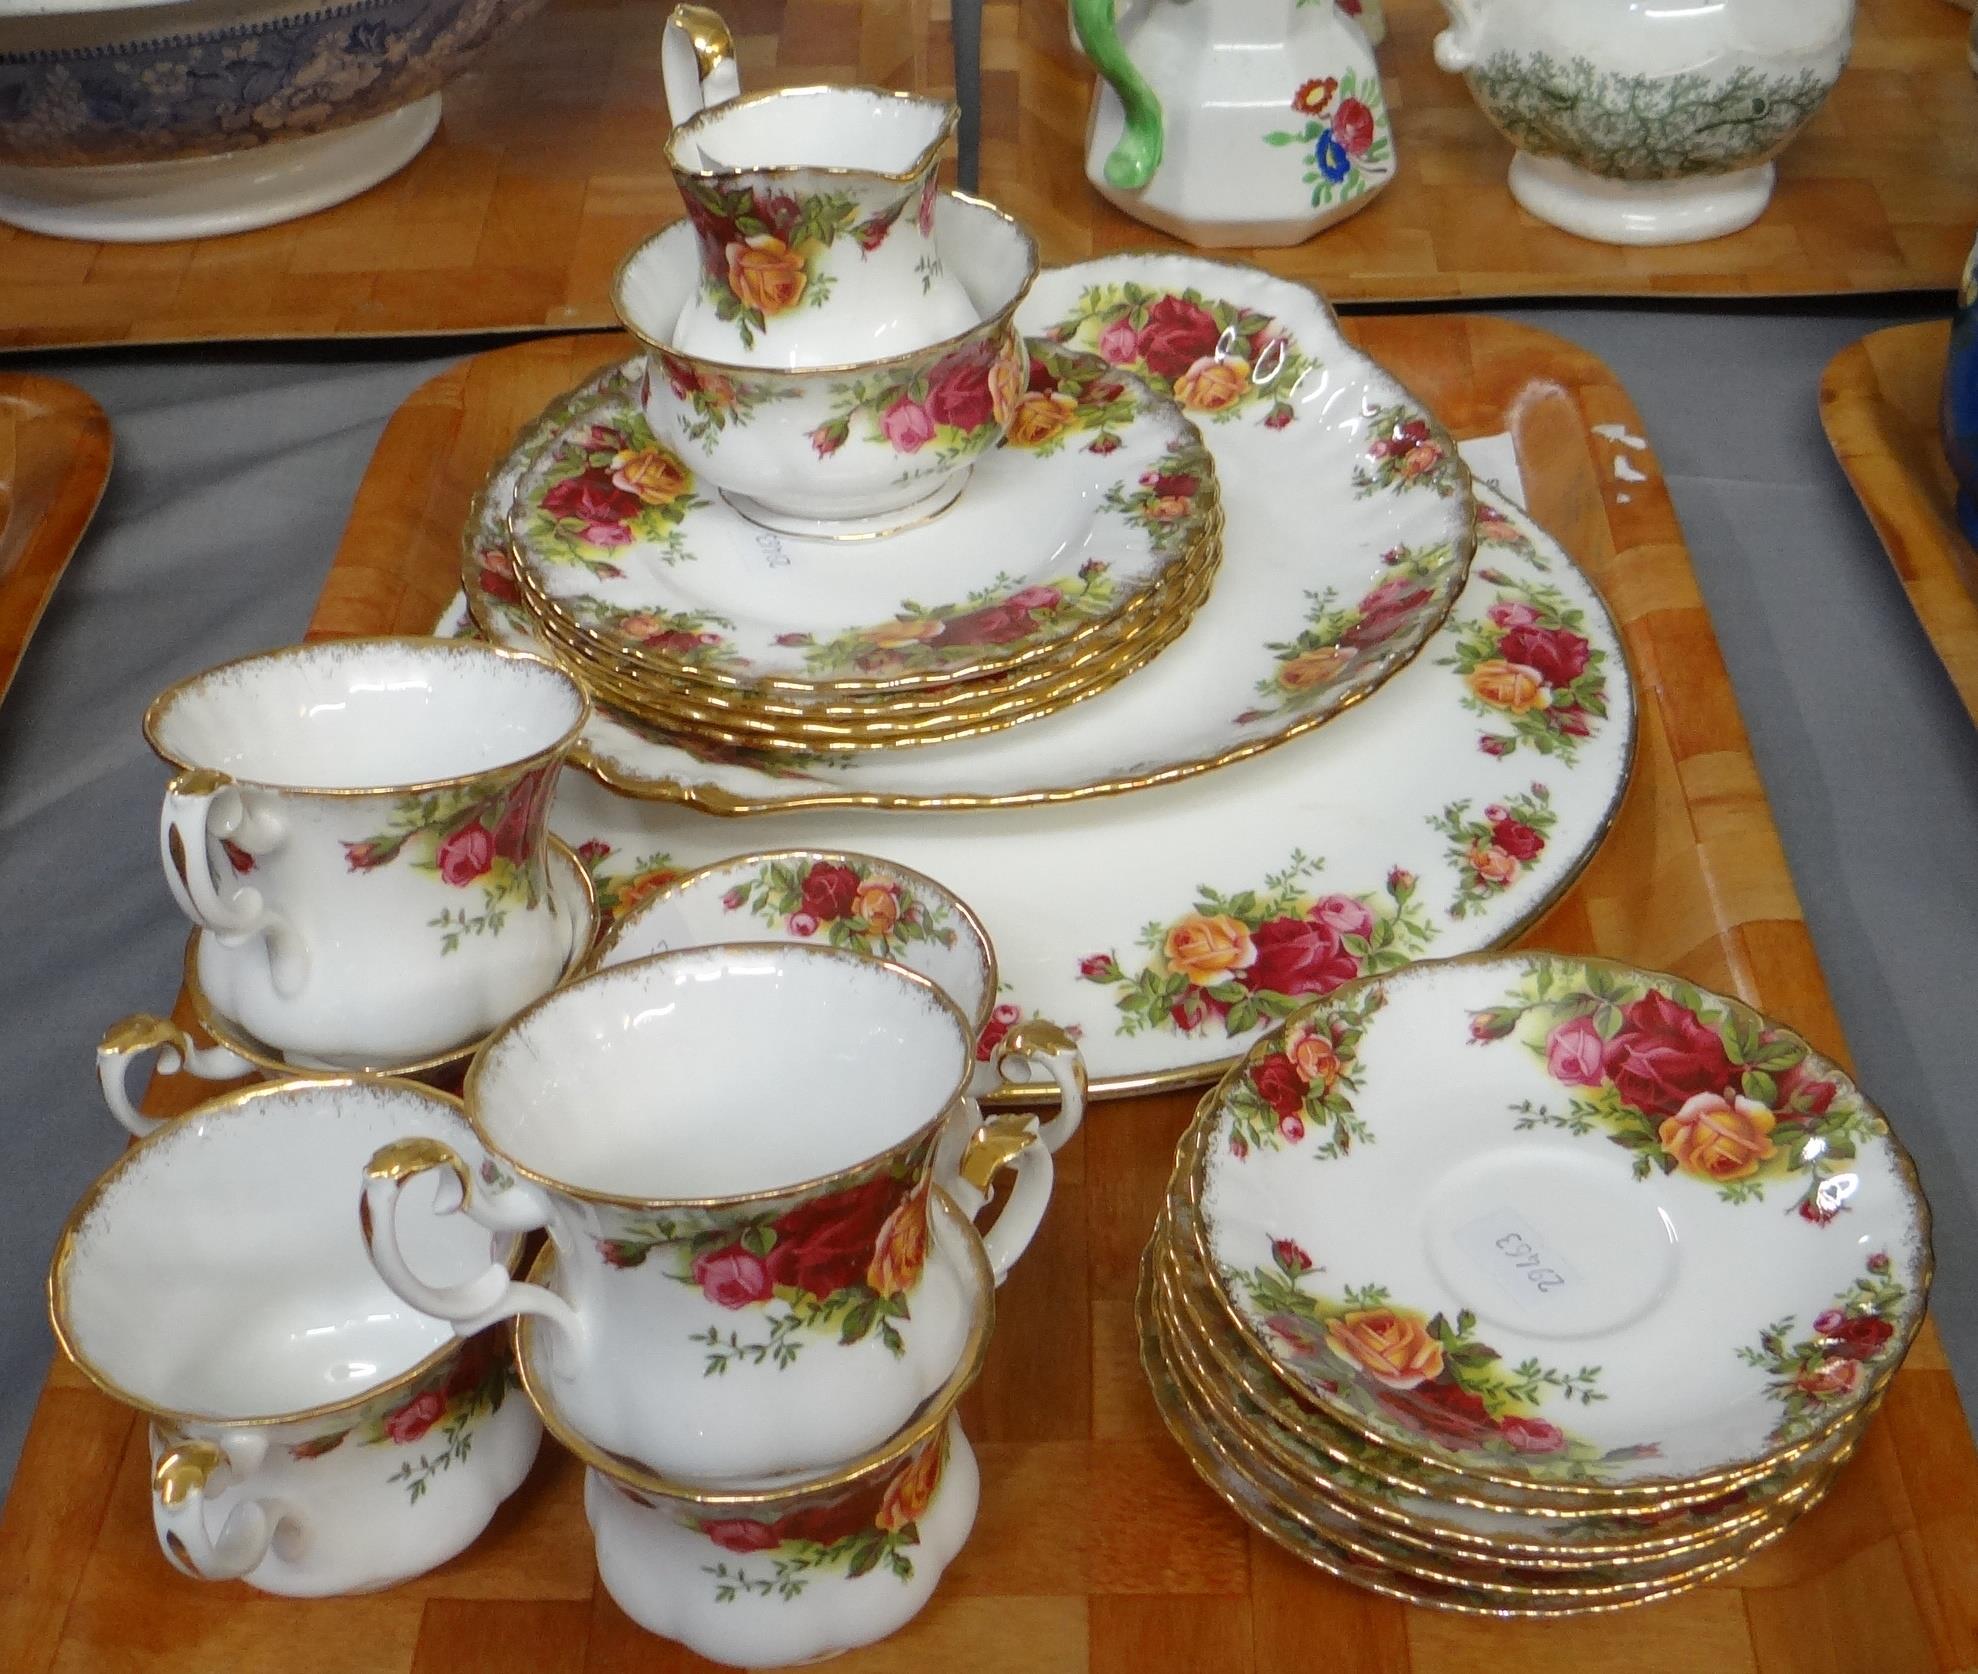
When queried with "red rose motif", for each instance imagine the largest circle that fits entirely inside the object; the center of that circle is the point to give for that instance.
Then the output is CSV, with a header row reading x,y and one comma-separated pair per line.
x,y
1290,1255
1298,956
1177,485
829,890
1444,1412
592,498
465,855
1516,839
1560,657
1385,609
1035,598
498,577
826,1525
1097,967
741,1534
958,388
1812,1209
1573,1053
1279,1085
1344,914
1829,1379
1665,1056
992,625
473,1364
1177,334
1878,1262
1280,416
411,1421
1532,1435
1570,719
823,1246
1353,127
732,1277
991,1037
1803,1092
1494,746
517,831
1855,1338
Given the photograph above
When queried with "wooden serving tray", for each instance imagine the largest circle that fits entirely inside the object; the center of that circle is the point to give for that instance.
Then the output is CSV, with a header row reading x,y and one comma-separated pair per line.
x,y
54,461
1097,1548
1878,401
547,168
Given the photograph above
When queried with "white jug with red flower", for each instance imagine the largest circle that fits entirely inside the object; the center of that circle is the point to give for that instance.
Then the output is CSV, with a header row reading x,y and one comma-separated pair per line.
x,y
1245,122
814,208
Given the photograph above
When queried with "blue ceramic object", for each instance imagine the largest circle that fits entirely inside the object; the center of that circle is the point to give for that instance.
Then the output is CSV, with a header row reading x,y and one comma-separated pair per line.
x,y
144,83
1960,405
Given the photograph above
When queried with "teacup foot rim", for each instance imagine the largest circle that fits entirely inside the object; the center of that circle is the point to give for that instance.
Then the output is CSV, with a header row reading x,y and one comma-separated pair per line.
x,y
878,526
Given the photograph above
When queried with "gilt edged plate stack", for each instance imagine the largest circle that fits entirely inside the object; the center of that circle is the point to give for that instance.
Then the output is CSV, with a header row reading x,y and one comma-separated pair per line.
x,y
1530,1285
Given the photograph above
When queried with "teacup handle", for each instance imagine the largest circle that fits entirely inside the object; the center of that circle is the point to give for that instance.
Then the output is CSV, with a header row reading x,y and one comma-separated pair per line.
x,y
200,803
179,1485
1038,1042
130,1038
1459,46
1004,1141
697,62
491,1295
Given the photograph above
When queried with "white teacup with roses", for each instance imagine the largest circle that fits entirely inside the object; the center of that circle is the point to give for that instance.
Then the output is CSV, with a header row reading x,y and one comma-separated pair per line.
x,y
310,1434
360,828
732,1149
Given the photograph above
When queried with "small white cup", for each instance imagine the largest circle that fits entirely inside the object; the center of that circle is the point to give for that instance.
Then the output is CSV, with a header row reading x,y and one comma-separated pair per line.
x,y
732,1149
359,826
310,1434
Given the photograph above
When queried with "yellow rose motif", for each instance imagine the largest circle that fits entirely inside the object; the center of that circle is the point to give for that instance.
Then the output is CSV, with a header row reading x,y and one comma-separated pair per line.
x,y
915,630
1392,1348
651,473
717,390
1207,948
1006,380
1719,1139
1506,685
1210,385
767,274
901,1249
879,905
1493,865
908,1494
1039,417
1312,1056
639,625
1312,668
1169,508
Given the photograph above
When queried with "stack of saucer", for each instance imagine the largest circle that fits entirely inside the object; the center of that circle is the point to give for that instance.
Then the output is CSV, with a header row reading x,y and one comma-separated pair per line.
x,y
1068,564
1530,1285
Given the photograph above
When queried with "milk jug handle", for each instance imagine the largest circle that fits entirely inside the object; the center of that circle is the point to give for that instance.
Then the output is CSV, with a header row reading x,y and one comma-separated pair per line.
x,y
1459,46
1138,153
697,62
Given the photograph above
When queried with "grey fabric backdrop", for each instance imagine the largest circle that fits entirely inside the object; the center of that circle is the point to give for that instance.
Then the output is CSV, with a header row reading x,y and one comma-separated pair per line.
x,y
234,475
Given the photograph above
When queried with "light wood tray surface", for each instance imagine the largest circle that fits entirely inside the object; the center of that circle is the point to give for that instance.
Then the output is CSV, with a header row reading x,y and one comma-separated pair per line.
x,y
547,168
1097,1548
54,461
1878,401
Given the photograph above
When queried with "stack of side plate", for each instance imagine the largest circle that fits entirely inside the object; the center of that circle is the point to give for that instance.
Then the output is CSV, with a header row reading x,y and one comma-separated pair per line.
x,y
1530,1285
1079,551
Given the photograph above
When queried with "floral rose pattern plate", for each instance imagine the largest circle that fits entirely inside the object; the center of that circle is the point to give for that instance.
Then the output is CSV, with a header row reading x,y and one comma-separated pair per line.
x,y
1350,523
1169,941
1554,1220
1100,494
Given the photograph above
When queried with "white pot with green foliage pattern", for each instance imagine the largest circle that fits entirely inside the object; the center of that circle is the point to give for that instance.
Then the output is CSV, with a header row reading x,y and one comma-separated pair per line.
x,y
1639,123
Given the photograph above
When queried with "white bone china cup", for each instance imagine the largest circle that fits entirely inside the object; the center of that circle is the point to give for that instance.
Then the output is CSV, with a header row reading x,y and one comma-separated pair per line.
x,y
310,1434
732,1149
359,827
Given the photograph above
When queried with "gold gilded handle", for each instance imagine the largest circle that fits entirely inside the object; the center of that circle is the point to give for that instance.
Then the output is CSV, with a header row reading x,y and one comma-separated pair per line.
x,y
708,35
398,1162
697,63
994,1146
183,1471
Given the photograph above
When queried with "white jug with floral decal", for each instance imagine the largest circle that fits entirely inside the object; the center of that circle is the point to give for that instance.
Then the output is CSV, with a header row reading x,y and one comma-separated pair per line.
x,y
1241,122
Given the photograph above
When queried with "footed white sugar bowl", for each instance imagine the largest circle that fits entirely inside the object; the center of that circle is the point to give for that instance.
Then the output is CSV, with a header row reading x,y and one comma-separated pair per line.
x,y
1642,121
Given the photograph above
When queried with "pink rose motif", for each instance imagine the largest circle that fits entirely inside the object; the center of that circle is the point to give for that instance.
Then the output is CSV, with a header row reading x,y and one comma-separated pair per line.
x,y
1292,1128
1119,343
1344,914
735,898
1509,614
411,1421
732,1277
1494,746
1006,1013
1532,1435
1574,1053
803,924
1035,598
591,852
466,855
1097,967
958,391
907,426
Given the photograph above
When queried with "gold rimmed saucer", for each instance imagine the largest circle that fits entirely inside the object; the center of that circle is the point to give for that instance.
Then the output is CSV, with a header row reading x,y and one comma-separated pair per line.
x,y
1255,1496
992,711
1616,1546
570,882
1143,614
